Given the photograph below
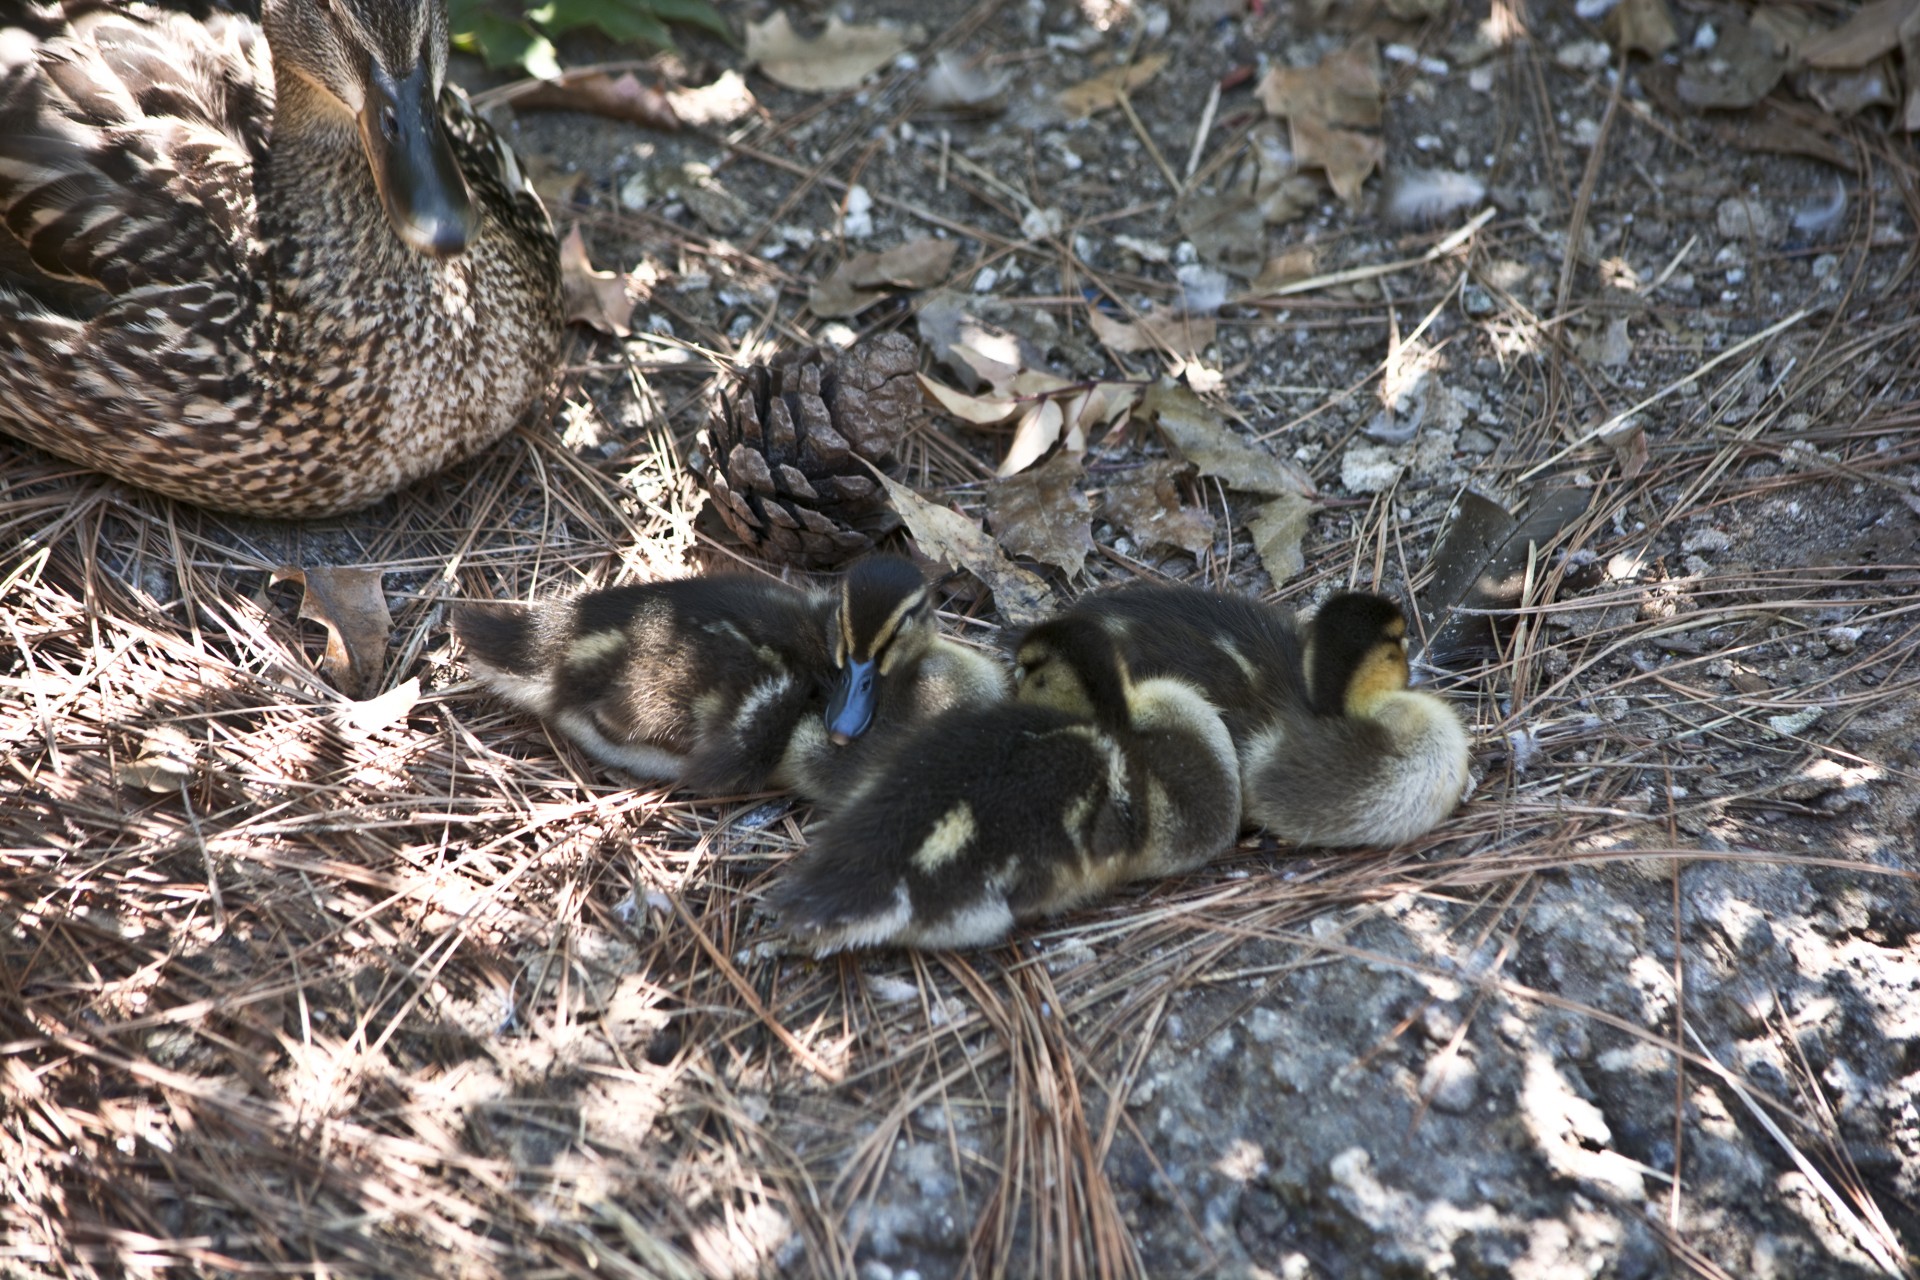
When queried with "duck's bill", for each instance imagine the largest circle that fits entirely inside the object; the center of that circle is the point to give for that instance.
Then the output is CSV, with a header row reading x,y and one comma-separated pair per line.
x,y
850,705
413,166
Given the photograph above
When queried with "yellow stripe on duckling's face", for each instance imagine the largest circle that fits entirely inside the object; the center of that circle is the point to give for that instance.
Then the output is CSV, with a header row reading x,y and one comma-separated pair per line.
x,y
1380,674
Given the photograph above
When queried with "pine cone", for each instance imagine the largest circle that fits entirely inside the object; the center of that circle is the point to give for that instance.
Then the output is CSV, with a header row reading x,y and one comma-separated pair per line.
x,y
781,458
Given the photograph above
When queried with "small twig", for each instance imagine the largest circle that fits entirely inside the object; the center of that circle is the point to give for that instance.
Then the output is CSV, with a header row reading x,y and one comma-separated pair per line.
x,y
1200,135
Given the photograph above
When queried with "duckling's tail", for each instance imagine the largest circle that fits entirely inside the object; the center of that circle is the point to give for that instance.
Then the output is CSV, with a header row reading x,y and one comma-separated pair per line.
x,y
824,909
500,636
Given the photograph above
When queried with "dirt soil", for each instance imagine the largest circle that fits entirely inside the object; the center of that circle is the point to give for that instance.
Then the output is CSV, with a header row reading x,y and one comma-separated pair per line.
x,y
405,986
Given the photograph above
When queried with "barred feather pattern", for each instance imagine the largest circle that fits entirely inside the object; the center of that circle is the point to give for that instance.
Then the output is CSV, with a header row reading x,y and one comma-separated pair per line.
x,y
189,308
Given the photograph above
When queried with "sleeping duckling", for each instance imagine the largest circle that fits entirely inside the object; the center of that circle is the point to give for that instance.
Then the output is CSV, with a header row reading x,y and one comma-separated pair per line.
x,y
991,815
1244,656
892,669
718,683
1370,761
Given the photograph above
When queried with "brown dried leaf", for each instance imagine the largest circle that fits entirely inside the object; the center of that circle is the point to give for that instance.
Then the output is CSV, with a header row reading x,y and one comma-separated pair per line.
x,y
865,278
1043,515
1298,263
597,298
1343,89
1278,529
1874,30
1039,428
725,100
1642,26
1229,230
349,603
1348,157
1106,404
981,411
1106,89
1629,445
1741,68
165,763
1197,432
946,535
1161,329
979,353
838,58
1146,503
599,93
1788,129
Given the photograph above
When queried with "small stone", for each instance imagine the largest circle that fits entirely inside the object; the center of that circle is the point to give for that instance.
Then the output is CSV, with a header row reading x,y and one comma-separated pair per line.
x,y
1451,1082
1742,218
1706,540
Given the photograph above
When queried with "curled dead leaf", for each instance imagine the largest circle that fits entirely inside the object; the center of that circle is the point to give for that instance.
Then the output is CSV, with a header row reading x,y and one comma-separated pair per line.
x,y
839,58
165,763
350,604
1043,515
1874,30
1349,158
725,100
599,93
1161,329
1106,89
1036,433
591,297
957,540
981,411
1642,26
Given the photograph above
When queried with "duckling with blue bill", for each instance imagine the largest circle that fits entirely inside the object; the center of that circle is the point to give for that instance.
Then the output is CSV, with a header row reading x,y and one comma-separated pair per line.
x,y
1366,760
730,683
890,669
275,267
987,816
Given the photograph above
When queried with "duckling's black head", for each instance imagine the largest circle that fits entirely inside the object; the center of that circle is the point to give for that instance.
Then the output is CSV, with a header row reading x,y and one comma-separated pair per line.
x,y
1073,664
1356,652
882,624
382,62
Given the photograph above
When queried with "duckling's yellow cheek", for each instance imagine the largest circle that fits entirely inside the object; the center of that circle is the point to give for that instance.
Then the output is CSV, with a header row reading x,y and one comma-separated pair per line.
x,y
950,838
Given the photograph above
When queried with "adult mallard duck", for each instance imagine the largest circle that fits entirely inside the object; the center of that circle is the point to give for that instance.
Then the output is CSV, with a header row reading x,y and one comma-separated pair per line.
x,y
277,268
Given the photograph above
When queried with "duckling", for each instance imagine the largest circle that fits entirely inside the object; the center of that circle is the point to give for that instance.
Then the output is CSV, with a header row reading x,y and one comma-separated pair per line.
x,y
891,669
283,285
728,683
1367,760
1243,655
991,815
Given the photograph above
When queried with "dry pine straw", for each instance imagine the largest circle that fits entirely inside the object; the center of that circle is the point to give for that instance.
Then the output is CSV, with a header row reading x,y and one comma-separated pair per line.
x,y
350,990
